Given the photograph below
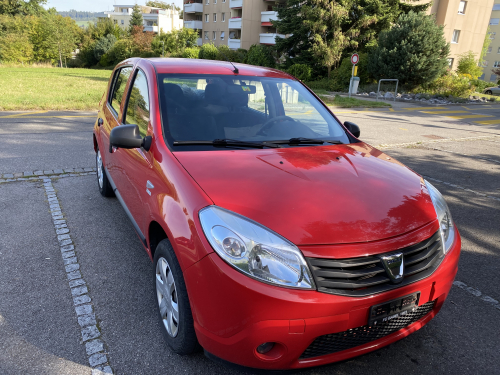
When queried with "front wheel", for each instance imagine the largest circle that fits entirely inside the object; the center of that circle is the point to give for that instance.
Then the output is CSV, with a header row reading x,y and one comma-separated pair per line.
x,y
488,92
102,179
174,309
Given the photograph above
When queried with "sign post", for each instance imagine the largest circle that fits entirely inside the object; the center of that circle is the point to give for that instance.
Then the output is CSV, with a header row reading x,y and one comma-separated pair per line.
x,y
353,84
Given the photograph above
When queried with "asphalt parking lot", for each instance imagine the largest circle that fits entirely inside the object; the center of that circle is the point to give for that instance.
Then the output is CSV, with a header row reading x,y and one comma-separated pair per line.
x,y
49,199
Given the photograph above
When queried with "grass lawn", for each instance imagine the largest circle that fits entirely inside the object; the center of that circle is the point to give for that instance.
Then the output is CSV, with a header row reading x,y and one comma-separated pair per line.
x,y
345,102
51,88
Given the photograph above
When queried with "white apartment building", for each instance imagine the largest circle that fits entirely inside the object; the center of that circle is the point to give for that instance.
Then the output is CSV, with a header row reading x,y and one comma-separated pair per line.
x,y
155,19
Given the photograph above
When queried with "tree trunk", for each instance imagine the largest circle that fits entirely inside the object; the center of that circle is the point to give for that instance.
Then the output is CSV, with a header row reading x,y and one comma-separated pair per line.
x,y
60,56
329,70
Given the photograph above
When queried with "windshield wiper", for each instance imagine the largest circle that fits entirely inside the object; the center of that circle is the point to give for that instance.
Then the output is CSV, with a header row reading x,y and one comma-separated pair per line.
x,y
303,141
227,142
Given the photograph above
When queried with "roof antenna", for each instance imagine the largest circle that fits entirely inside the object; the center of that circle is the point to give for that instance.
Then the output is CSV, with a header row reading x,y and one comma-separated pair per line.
x,y
236,70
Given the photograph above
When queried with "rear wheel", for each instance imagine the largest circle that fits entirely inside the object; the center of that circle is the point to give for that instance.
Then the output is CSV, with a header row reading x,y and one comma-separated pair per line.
x,y
488,92
102,179
175,314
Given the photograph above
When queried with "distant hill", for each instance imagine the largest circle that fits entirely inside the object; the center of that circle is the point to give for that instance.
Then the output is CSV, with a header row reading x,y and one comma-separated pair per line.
x,y
80,16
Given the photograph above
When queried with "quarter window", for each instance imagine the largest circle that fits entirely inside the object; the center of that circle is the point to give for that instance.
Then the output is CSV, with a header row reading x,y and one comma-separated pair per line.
x,y
138,104
121,79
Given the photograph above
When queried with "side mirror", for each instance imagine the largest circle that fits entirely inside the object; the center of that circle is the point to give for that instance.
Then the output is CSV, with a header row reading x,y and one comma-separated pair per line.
x,y
353,128
128,136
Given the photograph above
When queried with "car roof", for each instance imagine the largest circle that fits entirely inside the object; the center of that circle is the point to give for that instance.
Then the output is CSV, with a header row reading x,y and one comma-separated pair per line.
x,y
198,66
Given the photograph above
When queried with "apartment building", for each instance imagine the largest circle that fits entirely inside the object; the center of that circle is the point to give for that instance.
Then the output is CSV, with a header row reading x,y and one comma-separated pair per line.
x,y
235,23
465,24
492,58
155,19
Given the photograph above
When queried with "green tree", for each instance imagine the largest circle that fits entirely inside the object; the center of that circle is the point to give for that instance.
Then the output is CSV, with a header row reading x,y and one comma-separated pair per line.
x,y
22,7
413,51
486,45
467,64
174,41
260,55
208,52
136,18
103,45
162,5
15,47
321,32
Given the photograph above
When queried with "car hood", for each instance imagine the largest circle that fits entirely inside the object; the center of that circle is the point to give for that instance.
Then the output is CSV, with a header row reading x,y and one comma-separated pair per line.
x,y
315,195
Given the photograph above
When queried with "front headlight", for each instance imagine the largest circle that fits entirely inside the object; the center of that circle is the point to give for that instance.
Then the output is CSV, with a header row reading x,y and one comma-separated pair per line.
x,y
254,249
446,226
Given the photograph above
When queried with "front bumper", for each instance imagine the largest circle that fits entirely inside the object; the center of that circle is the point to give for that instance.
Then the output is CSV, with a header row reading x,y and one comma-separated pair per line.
x,y
234,314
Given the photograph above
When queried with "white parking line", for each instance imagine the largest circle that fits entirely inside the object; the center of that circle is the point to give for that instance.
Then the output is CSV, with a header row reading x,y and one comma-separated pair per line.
x,y
91,335
478,294
418,143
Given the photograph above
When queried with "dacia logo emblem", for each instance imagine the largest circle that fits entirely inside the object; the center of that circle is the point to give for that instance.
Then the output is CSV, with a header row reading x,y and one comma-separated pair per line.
x,y
394,266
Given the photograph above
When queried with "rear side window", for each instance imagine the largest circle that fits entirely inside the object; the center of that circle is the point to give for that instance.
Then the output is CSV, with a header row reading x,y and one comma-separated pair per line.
x,y
138,104
119,88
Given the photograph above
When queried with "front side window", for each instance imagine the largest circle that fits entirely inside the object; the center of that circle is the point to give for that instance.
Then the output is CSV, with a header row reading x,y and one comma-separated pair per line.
x,y
121,79
138,104
456,36
242,108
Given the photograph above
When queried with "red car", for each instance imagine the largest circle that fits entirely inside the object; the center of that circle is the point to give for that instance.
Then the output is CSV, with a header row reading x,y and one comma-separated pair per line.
x,y
279,239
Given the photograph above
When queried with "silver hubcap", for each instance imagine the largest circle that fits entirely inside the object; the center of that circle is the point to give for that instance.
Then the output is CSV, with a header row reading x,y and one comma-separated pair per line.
x,y
100,175
167,297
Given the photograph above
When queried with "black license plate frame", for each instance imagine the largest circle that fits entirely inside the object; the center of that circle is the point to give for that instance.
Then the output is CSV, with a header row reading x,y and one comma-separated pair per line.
x,y
383,312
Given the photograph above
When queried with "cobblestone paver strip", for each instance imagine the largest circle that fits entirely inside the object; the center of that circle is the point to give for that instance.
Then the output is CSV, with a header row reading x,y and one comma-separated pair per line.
x,y
41,175
82,301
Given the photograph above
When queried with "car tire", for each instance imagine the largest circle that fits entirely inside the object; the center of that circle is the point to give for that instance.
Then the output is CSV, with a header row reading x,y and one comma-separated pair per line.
x,y
488,92
102,178
174,309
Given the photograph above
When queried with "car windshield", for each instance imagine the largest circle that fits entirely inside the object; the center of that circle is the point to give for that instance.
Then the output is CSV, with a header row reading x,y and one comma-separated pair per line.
x,y
204,108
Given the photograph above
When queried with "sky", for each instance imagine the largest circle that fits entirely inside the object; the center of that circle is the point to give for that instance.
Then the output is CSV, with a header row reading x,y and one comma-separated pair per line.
x,y
96,5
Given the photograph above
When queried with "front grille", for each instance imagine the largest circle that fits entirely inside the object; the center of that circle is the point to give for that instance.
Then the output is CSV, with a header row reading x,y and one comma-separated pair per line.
x,y
336,342
363,276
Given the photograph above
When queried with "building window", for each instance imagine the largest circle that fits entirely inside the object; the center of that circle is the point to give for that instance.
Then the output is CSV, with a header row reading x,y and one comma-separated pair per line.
x,y
461,7
492,35
489,50
485,63
493,78
206,35
496,64
498,50
207,2
123,22
456,36
206,18
214,34
482,77
494,21
215,17
223,17
450,63
222,35
215,1
223,1
496,6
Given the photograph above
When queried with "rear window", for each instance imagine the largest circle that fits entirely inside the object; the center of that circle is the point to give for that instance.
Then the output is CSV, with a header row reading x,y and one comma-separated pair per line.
x,y
243,108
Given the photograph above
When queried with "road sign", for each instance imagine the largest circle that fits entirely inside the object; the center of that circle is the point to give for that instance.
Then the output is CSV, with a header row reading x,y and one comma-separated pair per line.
x,y
355,58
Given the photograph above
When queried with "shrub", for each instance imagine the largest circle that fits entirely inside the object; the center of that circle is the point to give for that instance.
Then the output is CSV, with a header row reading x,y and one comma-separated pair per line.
x,y
260,55
121,50
191,53
449,84
480,84
467,64
103,45
208,52
414,51
300,71
322,84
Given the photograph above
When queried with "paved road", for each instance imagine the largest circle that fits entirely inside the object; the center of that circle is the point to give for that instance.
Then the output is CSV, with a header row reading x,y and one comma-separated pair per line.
x,y
41,328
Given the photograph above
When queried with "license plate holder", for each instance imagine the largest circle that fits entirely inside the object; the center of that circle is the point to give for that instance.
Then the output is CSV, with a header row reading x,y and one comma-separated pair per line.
x,y
386,311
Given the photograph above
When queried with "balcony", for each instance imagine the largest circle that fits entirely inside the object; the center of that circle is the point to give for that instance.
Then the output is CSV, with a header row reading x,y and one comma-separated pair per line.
x,y
234,43
153,29
235,4
199,42
235,23
193,8
270,38
266,17
193,24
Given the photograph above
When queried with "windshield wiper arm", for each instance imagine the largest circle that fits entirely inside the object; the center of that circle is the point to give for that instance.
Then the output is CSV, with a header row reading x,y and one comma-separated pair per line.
x,y
226,142
302,140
